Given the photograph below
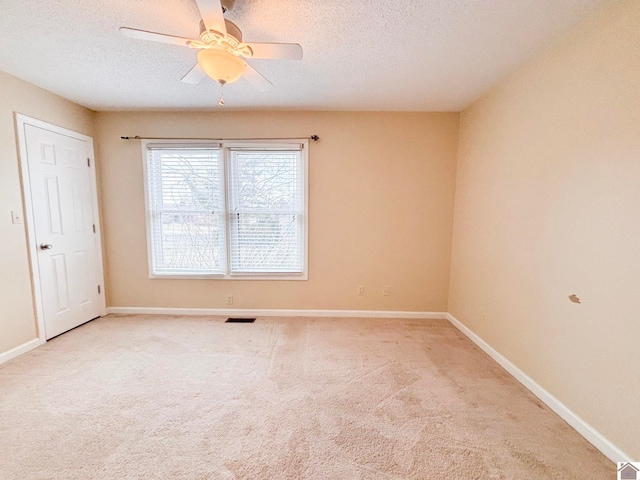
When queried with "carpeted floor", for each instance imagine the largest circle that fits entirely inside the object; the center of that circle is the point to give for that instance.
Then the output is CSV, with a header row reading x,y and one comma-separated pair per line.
x,y
285,398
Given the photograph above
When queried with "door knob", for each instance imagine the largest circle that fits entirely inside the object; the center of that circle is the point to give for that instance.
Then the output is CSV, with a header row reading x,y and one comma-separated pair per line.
x,y
46,246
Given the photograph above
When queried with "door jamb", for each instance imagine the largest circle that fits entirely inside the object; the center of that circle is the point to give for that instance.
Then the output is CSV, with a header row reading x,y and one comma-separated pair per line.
x,y
21,122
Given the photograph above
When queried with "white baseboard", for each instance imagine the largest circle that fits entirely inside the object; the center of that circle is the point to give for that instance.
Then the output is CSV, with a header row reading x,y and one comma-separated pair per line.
x,y
583,428
19,350
278,313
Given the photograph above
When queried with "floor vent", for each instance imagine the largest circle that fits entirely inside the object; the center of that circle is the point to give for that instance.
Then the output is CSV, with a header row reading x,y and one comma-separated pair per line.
x,y
240,320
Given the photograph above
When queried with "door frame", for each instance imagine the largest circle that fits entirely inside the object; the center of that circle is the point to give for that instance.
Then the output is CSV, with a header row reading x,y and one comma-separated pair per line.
x,y
21,122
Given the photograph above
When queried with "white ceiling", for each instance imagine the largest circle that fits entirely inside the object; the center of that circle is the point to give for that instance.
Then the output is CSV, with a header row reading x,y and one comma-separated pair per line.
x,y
411,55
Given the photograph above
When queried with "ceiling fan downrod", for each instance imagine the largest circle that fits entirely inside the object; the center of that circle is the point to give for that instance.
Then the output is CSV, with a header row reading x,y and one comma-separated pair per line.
x,y
227,5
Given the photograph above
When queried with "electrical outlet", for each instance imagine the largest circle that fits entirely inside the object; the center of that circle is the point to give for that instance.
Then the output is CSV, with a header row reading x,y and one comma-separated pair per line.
x,y
229,299
16,217
360,291
386,291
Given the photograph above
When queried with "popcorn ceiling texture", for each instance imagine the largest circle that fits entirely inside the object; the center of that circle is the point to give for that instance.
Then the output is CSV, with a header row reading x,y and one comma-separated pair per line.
x,y
284,398
418,55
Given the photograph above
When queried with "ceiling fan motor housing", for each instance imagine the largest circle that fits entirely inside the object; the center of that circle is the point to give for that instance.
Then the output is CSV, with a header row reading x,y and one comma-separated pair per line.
x,y
232,30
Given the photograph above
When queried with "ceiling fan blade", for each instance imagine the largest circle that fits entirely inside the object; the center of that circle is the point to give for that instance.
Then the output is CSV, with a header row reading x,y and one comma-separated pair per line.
x,y
154,37
256,79
211,13
285,51
195,75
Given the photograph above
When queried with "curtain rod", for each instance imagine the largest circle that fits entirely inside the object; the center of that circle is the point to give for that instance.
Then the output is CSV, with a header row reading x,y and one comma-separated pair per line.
x,y
314,138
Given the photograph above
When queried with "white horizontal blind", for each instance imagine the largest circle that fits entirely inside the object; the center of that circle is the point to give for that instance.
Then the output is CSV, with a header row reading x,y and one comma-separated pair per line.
x,y
186,210
266,210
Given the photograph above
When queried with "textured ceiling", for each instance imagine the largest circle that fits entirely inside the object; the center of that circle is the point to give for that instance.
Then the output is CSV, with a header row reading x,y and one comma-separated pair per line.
x,y
414,55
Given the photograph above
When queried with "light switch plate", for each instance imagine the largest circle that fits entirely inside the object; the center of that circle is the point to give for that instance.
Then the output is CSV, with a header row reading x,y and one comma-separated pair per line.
x,y
16,217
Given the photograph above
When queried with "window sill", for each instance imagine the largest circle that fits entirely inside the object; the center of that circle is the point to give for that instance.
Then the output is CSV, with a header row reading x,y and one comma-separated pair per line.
x,y
246,276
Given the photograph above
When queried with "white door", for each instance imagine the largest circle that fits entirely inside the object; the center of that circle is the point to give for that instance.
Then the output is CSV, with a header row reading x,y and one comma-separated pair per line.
x,y
62,186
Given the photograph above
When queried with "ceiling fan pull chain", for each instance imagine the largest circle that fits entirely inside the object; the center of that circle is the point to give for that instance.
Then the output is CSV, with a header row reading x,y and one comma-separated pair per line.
x,y
221,102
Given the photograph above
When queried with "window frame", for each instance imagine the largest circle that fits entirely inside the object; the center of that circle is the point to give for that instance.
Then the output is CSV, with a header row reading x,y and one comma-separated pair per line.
x,y
224,146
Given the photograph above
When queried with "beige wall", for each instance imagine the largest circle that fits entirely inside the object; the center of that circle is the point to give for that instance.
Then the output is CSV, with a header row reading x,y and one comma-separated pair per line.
x,y
17,319
547,205
380,208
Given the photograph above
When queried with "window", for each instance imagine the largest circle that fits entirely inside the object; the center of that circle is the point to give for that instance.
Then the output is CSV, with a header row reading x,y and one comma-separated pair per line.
x,y
227,210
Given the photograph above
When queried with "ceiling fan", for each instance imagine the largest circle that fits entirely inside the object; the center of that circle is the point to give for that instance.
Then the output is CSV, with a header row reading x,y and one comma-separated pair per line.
x,y
221,49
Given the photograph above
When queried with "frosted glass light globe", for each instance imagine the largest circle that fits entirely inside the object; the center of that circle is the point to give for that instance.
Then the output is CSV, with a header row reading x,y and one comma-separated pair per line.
x,y
222,66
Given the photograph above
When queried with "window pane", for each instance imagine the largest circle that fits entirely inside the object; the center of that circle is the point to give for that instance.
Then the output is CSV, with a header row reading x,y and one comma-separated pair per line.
x,y
266,214
266,243
186,199
190,243
266,181
191,179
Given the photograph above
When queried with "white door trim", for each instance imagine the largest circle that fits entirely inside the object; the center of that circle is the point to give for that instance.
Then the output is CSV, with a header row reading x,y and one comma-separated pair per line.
x,y
21,122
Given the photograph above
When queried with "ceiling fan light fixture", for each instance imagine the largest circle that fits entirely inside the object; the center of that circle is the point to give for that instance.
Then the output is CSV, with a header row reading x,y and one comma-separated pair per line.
x,y
222,66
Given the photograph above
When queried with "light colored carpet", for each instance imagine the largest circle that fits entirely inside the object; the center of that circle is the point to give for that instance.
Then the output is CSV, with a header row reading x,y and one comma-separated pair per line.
x,y
285,398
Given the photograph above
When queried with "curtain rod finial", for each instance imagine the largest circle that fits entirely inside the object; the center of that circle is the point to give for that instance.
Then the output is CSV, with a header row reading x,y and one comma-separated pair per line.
x,y
315,138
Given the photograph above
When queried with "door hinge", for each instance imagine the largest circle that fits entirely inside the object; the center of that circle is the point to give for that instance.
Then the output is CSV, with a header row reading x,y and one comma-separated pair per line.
x,y
94,228
88,162
98,289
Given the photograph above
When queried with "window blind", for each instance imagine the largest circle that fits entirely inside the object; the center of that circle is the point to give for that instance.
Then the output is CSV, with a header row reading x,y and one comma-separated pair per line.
x,y
236,211
186,211
266,210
